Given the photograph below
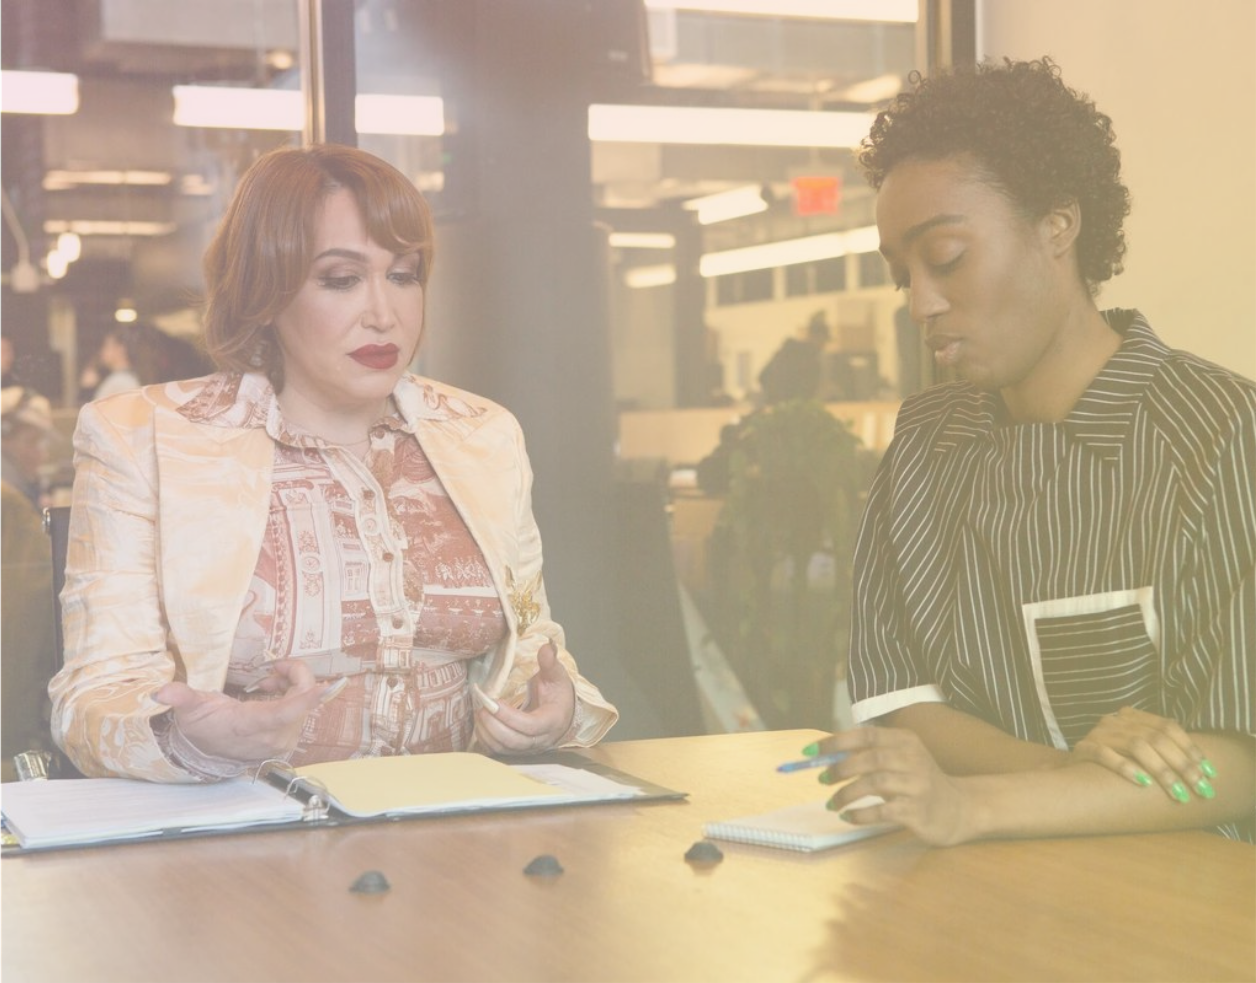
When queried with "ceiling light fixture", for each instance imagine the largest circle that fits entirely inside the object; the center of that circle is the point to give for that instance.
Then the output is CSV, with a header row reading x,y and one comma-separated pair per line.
x,y
897,11
64,180
282,109
46,93
105,227
238,109
642,240
405,115
56,265
725,205
731,127
873,90
650,276
195,185
787,252
125,313
70,246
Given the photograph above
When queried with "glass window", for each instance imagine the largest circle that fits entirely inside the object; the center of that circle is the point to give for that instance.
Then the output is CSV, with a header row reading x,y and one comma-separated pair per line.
x,y
873,270
830,275
798,279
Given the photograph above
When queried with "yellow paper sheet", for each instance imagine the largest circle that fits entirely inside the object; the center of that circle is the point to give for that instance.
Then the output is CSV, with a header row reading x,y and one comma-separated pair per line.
x,y
423,783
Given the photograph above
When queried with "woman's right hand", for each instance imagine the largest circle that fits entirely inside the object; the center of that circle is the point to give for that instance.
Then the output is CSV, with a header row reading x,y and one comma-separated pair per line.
x,y
249,731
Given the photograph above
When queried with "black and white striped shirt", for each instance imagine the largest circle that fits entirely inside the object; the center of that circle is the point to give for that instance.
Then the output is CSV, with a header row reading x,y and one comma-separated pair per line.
x,y
1041,575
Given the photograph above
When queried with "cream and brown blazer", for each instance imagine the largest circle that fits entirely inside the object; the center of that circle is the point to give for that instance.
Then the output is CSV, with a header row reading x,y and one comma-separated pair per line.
x,y
168,514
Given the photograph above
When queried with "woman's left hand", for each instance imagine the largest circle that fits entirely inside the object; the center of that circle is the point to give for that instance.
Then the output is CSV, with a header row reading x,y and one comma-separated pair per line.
x,y
1143,747
542,722
894,764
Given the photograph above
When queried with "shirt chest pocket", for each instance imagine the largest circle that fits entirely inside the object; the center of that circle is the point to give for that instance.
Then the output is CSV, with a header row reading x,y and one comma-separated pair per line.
x,y
1092,655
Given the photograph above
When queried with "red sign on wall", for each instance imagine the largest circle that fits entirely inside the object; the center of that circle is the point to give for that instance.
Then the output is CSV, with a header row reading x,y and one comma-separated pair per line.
x,y
817,195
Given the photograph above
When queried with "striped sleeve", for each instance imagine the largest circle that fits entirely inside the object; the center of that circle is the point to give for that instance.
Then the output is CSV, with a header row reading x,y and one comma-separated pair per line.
x,y
884,671
1209,423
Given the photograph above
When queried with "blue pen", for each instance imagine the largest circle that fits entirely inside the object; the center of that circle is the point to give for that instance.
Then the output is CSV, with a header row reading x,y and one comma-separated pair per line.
x,y
822,761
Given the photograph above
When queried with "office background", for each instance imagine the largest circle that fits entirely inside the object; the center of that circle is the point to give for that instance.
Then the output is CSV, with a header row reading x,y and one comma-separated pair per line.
x,y
530,304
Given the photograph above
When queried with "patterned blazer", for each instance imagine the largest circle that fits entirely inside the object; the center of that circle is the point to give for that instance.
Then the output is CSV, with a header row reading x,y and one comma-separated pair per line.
x,y
169,509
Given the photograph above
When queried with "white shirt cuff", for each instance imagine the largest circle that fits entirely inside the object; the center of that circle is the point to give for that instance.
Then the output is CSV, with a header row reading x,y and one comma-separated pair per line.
x,y
878,706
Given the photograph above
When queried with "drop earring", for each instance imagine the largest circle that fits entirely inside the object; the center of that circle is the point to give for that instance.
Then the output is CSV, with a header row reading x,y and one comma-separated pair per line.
x,y
258,359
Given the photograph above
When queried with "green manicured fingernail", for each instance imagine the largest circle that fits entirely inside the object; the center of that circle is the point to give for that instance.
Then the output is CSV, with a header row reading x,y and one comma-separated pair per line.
x,y
831,806
1180,793
826,778
1206,767
844,816
811,750
1205,789
1142,778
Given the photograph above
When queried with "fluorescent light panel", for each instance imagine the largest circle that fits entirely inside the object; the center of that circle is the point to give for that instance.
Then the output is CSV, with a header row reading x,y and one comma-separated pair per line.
x,y
787,252
725,205
60,180
642,240
238,109
874,90
898,11
638,277
282,109
92,227
731,127
404,115
47,93
272,109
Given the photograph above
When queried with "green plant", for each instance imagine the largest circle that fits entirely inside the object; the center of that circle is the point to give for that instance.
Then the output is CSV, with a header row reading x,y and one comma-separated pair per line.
x,y
786,536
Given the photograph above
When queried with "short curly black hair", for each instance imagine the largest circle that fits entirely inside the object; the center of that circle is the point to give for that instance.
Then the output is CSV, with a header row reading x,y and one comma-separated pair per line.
x,y
1043,143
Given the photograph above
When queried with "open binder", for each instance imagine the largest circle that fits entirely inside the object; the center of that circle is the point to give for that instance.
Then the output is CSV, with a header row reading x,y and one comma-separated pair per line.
x,y
56,814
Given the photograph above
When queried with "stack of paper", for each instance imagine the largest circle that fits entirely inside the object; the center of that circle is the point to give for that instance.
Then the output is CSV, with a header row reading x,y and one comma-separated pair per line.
x,y
91,810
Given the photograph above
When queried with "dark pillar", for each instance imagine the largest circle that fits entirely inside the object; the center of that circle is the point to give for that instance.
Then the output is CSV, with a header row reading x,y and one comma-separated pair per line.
x,y
693,370
328,71
518,303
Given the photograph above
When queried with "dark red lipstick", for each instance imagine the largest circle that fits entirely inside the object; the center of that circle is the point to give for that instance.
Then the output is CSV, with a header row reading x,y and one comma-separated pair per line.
x,y
376,356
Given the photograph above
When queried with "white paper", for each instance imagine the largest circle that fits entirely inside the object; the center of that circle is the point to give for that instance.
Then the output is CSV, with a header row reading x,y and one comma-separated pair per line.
x,y
89,810
579,781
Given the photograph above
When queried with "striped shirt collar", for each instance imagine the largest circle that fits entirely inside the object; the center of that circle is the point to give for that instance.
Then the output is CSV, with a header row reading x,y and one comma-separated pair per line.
x,y
1102,416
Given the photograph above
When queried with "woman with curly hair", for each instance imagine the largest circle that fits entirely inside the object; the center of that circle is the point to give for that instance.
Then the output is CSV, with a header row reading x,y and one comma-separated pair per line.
x,y
1055,611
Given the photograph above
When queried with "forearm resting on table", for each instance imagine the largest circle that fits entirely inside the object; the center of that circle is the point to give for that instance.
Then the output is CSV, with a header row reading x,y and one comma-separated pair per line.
x,y
962,744
1086,798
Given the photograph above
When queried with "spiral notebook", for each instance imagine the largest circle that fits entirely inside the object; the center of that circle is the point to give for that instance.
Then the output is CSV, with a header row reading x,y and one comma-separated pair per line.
x,y
808,827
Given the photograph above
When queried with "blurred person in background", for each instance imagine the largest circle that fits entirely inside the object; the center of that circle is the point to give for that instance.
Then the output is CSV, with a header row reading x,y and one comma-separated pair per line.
x,y
27,430
119,365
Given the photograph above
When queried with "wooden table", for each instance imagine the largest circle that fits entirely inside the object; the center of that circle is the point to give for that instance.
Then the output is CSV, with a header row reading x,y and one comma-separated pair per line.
x,y
277,905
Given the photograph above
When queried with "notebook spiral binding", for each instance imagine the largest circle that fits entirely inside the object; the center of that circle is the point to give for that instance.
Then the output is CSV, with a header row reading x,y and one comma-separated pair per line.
x,y
310,792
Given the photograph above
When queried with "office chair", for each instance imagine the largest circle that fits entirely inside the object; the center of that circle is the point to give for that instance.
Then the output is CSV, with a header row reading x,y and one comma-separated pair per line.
x,y
57,526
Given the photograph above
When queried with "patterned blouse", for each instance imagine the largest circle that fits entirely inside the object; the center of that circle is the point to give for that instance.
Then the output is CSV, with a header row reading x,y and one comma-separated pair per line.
x,y
367,571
